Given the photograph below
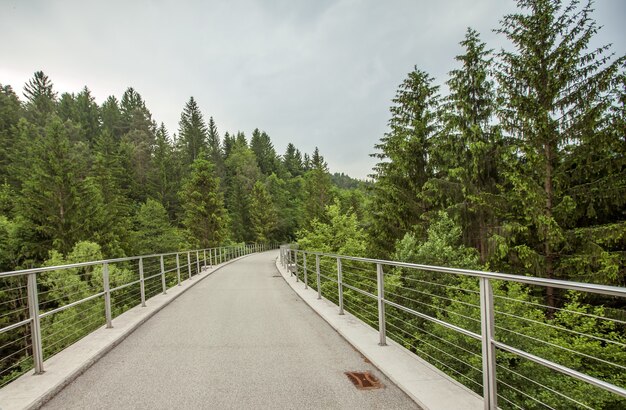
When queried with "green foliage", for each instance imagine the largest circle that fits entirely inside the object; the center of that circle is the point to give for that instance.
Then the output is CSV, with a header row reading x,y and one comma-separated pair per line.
x,y
192,131
340,235
262,213
153,231
397,202
242,173
203,205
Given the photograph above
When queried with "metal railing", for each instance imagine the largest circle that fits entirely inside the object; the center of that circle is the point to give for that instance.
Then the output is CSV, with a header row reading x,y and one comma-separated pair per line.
x,y
490,341
45,309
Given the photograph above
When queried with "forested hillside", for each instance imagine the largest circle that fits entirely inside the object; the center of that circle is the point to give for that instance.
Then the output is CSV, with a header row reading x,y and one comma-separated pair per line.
x,y
72,170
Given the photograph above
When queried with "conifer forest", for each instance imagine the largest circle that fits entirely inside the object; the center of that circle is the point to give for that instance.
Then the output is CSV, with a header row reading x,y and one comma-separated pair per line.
x,y
515,163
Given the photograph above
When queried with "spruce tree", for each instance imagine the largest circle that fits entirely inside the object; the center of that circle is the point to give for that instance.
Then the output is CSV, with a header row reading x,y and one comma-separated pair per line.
x,y
398,202
166,172
318,190
54,197
265,153
40,98
111,117
242,172
192,131
262,213
553,92
214,147
204,214
292,161
465,155
10,113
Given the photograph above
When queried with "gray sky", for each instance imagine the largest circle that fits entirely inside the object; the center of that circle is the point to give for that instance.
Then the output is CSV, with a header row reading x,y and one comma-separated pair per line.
x,y
315,73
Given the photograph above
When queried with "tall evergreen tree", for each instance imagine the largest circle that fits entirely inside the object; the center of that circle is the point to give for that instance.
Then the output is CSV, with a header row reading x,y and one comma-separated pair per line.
x,y
554,99
10,113
111,116
166,172
54,197
215,153
465,155
203,205
265,153
262,213
242,172
135,115
192,131
229,142
40,98
398,203
292,160
138,138
318,189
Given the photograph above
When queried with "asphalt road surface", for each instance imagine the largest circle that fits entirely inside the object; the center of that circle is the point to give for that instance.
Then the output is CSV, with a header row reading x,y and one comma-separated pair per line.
x,y
240,339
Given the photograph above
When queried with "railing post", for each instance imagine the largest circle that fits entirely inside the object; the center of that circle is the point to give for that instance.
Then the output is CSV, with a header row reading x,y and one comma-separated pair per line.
x,y
340,286
204,257
490,393
142,284
107,294
189,263
295,263
178,268
319,280
163,285
35,325
382,330
306,277
198,262
210,257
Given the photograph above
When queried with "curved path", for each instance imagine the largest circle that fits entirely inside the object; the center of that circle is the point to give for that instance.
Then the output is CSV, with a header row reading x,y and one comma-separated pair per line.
x,y
239,339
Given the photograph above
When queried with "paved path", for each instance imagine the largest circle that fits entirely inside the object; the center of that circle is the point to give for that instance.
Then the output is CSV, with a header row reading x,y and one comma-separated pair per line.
x,y
239,339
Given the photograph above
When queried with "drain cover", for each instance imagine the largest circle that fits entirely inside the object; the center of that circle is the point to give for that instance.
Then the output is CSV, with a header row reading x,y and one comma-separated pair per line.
x,y
364,380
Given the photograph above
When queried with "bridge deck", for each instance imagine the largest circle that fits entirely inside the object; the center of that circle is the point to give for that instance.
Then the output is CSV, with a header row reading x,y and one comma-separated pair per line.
x,y
239,339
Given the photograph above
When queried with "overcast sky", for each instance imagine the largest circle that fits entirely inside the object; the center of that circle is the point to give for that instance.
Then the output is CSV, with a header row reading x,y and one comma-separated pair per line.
x,y
315,73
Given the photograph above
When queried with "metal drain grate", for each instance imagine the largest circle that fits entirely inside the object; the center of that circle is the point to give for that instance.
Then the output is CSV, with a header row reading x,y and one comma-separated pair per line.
x,y
364,380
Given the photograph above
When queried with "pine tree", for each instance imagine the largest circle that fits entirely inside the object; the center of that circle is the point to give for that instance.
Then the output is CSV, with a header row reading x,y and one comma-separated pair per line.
x,y
397,202
262,213
203,205
554,99
192,131
40,98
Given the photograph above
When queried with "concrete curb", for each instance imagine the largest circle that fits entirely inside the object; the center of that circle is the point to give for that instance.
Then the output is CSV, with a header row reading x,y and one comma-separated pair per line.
x,y
430,388
31,391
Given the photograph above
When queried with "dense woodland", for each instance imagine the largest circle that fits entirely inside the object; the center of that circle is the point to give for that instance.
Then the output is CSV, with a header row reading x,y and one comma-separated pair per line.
x,y
516,163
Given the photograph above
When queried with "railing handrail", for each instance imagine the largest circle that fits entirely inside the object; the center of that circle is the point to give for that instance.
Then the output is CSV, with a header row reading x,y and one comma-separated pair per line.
x,y
216,256
530,280
100,262
487,335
